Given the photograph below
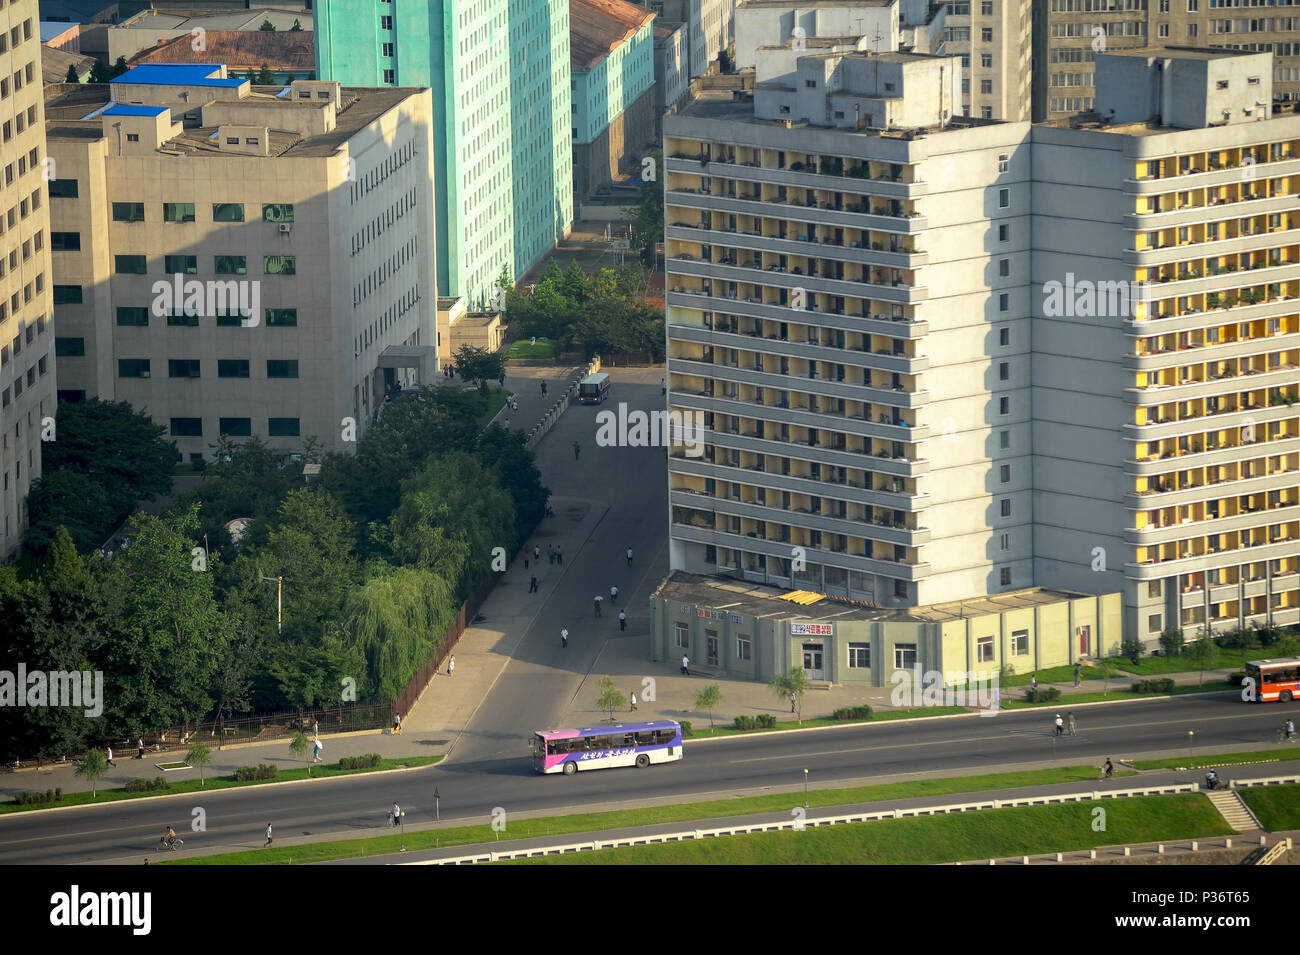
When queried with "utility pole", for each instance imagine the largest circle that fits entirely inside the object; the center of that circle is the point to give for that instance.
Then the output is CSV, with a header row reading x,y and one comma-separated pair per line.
x,y
279,599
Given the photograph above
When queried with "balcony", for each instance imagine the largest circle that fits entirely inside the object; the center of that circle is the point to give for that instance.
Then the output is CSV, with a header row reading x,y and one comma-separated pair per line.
x,y
794,348
755,545
1215,456
1217,316
1193,528
883,188
798,484
886,257
774,277
891,469
823,522
874,324
677,199
1174,253
1158,569
1187,215
1284,376
1173,357
1205,177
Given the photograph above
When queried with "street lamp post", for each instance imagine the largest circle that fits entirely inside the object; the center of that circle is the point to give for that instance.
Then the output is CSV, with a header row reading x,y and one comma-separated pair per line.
x,y
805,788
402,819
437,806
1190,735
279,600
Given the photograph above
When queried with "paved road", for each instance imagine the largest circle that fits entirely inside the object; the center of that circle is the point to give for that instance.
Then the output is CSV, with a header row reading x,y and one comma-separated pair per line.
x,y
472,785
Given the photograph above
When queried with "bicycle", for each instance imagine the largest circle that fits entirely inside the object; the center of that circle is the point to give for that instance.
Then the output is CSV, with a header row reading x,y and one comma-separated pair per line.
x,y
1282,737
173,845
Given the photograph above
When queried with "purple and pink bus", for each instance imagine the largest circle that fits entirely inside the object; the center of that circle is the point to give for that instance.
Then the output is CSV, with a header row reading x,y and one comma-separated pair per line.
x,y
602,747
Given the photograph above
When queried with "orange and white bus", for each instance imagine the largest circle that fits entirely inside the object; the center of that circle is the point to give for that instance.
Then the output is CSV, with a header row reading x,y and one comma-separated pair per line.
x,y
1275,679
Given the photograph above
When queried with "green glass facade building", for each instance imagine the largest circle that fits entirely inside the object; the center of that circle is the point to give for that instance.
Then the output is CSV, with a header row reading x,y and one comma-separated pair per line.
x,y
499,70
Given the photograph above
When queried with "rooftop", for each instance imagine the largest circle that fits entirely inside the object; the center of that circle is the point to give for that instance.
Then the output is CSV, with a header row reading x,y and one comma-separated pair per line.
x,y
1184,52
804,5
282,18
119,110
757,600
55,63
239,50
52,28
598,27
177,74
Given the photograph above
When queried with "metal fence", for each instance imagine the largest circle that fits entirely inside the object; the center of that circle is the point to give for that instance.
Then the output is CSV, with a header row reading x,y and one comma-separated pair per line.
x,y
562,402
407,698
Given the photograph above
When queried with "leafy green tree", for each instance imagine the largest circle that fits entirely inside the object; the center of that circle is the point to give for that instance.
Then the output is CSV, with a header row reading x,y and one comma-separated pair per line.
x,y
246,480
1108,670
609,696
300,745
93,767
516,472
576,284
478,364
708,699
793,683
1131,648
1171,641
71,500
264,76
267,26
648,214
119,67
396,620
72,76
200,756
99,72
297,26
1201,653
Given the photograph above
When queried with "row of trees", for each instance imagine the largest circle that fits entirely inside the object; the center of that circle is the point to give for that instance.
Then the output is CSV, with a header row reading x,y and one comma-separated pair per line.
x,y
376,556
606,312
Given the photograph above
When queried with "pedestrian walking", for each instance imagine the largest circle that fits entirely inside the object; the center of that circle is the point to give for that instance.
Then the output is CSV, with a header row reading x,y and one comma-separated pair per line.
x,y
451,665
268,835
1060,724
633,710
537,554
663,386
1076,674
577,450
525,559
613,594
550,553
686,666
793,701
598,599
564,636
629,556
397,723
110,758
315,727
502,380
622,620
532,588
139,747
317,746
543,389
397,815
1072,723
1033,683
559,554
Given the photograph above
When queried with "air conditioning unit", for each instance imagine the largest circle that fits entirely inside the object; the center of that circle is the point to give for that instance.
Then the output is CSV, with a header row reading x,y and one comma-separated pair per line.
x,y
286,226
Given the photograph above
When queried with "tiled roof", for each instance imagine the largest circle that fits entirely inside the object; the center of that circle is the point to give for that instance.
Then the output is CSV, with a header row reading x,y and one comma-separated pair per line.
x,y
597,27
240,50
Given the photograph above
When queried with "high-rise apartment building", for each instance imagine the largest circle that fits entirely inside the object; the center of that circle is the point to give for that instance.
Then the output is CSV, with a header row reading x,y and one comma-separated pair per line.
x,y
237,262
993,38
1070,33
503,165
27,392
863,305
710,29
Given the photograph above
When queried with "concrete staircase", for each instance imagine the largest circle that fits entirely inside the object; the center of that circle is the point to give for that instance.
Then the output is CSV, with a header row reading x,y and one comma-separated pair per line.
x,y
1236,812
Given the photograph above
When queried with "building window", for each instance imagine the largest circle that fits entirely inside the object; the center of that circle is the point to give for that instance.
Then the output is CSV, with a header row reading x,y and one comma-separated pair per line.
x,y
744,647
859,656
1153,623
904,656
984,650
181,264
1004,302
682,636
282,427
132,316
1005,541
1004,336
67,295
133,368
183,368
232,368
1004,474
236,427
282,368
230,264
277,212
1005,506
1004,198
178,212
183,318
1004,268
1004,406
1154,588
389,77
986,87
280,265
187,427
129,264
69,347
1004,232
63,189
65,242
227,212
1004,440
986,61
1006,577
1020,643
986,34
281,317
1004,370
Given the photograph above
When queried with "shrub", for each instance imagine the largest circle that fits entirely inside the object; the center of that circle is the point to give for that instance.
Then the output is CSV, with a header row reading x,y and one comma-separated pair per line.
x,y
1043,694
766,721
1132,649
146,785
37,798
246,774
1172,642
744,722
1237,678
686,728
368,761
1164,685
852,713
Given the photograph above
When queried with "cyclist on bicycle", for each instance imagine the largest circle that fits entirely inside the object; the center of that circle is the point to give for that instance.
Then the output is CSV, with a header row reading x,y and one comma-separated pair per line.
x,y
1108,768
170,837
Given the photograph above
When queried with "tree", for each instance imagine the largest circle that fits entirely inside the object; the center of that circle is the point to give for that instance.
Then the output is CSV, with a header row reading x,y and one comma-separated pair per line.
x,y
648,214
1108,671
93,766
297,26
793,683
299,744
478,364
708,700
119,67
99,72
1171,641
200,756
1131,648
396,621
72,76
264,76
1201,653
267,26
73,502
610,696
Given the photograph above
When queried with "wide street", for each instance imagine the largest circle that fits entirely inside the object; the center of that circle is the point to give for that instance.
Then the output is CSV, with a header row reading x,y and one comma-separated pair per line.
x,y
488,766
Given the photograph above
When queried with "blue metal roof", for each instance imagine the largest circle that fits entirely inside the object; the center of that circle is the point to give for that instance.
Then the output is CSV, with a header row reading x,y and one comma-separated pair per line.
x,y
119,110
177,74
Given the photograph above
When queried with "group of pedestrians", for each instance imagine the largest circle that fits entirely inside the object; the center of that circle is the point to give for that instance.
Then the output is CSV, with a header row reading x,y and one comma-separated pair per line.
x,y
1065,726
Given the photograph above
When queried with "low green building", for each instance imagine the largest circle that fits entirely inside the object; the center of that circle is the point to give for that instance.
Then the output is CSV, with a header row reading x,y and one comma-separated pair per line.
x,y
743,630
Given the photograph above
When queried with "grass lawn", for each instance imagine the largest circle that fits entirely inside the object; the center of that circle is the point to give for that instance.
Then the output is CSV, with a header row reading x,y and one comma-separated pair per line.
x,y
994,833
1120,691
523,349
589,822
1276,807
496,401
1063,674
698,732
1226,660
323,771
1214,760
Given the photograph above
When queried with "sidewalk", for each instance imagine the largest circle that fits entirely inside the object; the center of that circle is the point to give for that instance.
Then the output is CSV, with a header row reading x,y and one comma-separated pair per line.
x,y
524,382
